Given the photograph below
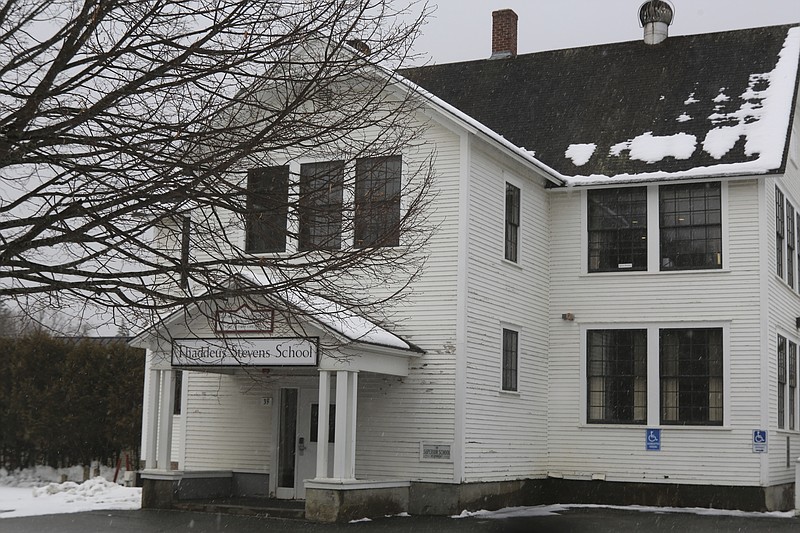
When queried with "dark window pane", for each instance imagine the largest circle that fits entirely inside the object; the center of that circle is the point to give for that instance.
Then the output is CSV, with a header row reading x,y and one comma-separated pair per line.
x,y
690,368
267,208
617,229
510,355
512,222
616,364
321,187
378,185
690,224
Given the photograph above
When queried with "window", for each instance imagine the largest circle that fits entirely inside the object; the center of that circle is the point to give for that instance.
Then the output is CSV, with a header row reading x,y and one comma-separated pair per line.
x,y
617,229
510,353
617,376
797,246
790,240
690,221
267,207
779,229
312,430
691,376
178,408
781,382
321,205
377,221
512,222
792,383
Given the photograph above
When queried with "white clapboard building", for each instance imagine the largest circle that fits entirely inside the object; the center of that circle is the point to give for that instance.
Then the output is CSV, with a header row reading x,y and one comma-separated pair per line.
x,y
608,313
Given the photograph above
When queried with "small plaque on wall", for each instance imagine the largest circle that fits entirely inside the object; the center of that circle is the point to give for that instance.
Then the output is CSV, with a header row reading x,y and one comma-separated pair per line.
x,y
434,452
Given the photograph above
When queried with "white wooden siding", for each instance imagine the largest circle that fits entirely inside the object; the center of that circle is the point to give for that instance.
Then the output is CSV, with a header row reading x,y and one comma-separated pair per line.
x,y
689,454
227,428
784,308
505,432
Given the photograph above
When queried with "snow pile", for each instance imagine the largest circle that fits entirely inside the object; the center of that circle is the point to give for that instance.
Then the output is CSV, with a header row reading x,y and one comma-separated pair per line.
x,y
549,510
28,493
650,148
580,153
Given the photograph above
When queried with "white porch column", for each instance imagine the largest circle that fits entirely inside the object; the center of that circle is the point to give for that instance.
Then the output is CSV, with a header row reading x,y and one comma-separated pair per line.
x,y
352,398
166,406
344,448
150,437
323,423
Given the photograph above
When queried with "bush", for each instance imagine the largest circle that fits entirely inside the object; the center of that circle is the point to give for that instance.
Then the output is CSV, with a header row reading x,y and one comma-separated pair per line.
x,y
68,401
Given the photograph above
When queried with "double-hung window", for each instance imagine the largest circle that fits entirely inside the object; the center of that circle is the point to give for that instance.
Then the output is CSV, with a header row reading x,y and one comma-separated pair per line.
x,y
779,231
512,222
690,221
792,383
781,381
787,383
510,359
320,204
617,229
687,228
687,387
377,215
790,243
267,208
691,376
616,370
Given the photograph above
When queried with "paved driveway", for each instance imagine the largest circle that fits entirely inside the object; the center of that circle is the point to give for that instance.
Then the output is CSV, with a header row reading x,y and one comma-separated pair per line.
x,y
579,520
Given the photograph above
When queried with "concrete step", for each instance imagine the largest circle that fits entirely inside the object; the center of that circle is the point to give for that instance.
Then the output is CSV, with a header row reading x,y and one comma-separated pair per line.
x,y
295,510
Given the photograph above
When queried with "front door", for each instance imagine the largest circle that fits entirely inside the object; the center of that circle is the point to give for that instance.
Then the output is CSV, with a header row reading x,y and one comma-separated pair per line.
x,y
297,441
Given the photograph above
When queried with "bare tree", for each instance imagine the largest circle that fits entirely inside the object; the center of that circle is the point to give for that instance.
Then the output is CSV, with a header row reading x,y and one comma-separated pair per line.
x,y
144,146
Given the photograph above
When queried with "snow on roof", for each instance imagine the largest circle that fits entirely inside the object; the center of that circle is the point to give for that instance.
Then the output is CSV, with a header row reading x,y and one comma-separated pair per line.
x,y
350,325
706,105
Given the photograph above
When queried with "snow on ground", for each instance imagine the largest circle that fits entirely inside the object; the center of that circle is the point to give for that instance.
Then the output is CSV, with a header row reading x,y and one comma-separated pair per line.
x,y
548,510
37,491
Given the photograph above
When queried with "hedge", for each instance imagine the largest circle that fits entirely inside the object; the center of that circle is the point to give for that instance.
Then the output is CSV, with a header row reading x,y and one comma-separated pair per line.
x,y
66,402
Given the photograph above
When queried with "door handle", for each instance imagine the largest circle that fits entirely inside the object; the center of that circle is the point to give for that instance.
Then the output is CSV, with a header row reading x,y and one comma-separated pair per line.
x,y
301,444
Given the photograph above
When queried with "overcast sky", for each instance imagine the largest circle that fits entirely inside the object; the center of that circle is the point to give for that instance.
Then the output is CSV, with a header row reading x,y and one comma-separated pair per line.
x,y
460,30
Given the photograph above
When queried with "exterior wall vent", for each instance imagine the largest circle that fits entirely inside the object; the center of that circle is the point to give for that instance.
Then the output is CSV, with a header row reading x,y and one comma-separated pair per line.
x,y
655,16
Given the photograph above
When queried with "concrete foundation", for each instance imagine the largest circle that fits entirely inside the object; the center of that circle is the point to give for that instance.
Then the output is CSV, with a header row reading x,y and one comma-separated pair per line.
x,y
342,503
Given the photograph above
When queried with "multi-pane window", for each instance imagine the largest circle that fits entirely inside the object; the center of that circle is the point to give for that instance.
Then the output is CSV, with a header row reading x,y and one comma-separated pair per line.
x,y
781,381
690,221
377,221
790,243
510,359
267,207
616,369
617,229
797,244
779,231
320,214
690,373
512,222
792,383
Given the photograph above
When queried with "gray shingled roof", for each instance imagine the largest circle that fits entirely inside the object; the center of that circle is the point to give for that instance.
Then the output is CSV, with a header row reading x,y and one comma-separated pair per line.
x,y
699,105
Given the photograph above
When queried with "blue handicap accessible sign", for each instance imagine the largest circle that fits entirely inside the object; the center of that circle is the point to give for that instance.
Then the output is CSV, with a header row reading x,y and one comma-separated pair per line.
x,y
759,441
652,439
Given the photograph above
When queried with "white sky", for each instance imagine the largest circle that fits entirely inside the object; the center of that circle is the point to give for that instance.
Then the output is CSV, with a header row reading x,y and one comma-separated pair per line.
x,y
460,30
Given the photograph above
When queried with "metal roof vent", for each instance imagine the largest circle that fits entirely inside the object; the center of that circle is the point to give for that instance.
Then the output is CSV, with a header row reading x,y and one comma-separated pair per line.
x,y
655,17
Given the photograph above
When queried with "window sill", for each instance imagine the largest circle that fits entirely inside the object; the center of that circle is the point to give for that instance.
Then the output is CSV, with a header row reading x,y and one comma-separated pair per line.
x,y
512,264
509,393
705,271
639,427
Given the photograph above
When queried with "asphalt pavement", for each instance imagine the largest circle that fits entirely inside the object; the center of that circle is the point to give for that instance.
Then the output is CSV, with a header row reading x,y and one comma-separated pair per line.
x,y
576,520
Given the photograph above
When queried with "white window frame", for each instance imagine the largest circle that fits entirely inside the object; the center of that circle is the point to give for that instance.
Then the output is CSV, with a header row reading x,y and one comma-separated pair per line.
x,y
653,371
654,233
511,179
790,338
518,330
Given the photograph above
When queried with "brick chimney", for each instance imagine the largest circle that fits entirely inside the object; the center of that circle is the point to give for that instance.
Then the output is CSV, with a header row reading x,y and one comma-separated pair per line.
x,y
504,34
